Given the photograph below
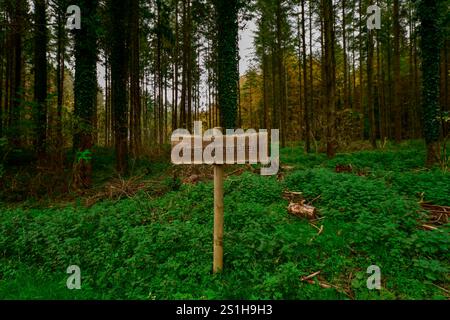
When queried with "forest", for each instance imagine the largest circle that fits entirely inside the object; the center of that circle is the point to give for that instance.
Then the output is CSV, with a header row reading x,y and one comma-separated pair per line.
x,y
92,90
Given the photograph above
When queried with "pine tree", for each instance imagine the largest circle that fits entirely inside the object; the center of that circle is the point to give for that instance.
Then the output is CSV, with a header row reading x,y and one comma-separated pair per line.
x,y
40,75
85,92
227,24
430,34
118,10
330,75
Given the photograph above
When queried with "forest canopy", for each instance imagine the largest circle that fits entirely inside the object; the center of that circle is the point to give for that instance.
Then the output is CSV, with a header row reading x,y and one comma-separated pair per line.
x,y
137,70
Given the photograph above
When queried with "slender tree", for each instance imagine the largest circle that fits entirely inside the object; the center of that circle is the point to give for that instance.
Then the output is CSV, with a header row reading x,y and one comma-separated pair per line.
x,y
370,89
61,39
85,92
430,34
135,90
17,10
227,24
397,84
40,75
118,10
330,75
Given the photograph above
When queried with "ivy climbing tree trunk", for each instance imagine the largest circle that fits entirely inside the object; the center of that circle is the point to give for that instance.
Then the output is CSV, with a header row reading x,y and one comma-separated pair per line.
x,y
228,77
119,75
430,45
85,92
40,76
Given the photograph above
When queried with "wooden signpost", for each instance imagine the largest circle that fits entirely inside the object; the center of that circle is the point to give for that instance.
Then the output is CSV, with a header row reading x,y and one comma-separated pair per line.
x,y
215,148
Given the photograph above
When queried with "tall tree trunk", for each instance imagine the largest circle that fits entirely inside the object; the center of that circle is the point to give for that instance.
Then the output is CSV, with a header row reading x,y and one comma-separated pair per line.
x,y
430,46
308,112
227,24
330,76
361,72
305,84
397,85
176,61
275,93
281,73
40,76
2,77
85,91
184,81
15,99
344,49
381,93
8,79
107,104
60,74
119,75
189,66
265,91
135,90
370,99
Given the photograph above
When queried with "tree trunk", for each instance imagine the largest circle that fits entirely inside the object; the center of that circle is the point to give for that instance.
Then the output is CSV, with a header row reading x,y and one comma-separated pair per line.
x,y
430,46
397,85
135,90
227,23
176,60
119,75
85,91
16,82
281,73
344,49
361,73
60,74
370,99
305,84
308,112
40,77
330,76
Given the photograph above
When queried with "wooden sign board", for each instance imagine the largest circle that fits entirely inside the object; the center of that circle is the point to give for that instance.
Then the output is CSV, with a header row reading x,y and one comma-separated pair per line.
x,y
214,148
233,149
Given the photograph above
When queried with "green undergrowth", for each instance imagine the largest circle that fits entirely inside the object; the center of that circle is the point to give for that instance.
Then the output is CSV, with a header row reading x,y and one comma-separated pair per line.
x,y
141,248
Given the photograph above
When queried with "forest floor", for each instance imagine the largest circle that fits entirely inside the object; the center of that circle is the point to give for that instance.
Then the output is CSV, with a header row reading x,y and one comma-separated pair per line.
x,y
150,237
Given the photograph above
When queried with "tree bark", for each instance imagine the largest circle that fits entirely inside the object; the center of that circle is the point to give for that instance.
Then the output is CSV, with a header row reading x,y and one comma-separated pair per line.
x,y
397,85
40,77
135,90
119,75
85,91
228,77
330,76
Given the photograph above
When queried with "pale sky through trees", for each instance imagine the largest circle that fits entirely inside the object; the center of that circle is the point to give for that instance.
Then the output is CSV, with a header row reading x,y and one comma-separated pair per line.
x,y
246,49
246,52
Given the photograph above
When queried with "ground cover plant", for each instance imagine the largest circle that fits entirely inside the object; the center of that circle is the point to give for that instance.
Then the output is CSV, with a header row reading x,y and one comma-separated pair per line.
x,y
158,245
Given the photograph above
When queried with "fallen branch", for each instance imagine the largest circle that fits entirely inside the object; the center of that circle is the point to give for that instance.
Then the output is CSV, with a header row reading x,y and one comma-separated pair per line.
x,y
443,289
320,229
427,227
302,210
310,276
236,172
316,198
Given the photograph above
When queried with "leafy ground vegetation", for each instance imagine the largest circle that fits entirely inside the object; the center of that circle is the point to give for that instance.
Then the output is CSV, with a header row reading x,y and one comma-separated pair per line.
x,y
157,244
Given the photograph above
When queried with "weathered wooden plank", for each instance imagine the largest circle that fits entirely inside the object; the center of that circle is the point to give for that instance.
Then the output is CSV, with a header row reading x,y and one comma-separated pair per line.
x,y
235,149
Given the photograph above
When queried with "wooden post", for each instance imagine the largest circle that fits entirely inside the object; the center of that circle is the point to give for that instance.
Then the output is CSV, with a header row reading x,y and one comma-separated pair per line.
x,y
218,218
187,152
